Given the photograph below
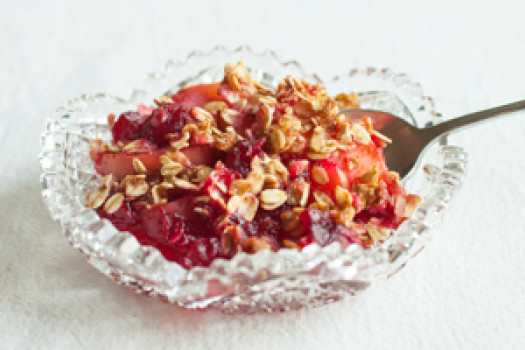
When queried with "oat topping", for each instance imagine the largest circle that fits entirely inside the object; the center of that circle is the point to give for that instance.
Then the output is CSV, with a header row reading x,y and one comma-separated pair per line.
x,y
227,115
113,203
411,203
277,140
135,185
287,243
199,173
346,216
215,106
350,100
298,193
139,167
158,192
255,244
184,184
272,198
248,206
170,168
163,100
134,147
245,167
290,220
97,198
181,142
343,197
319,175
267,117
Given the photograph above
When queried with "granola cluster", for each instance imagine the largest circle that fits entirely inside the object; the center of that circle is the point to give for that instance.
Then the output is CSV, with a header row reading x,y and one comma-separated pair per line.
x,y
287,169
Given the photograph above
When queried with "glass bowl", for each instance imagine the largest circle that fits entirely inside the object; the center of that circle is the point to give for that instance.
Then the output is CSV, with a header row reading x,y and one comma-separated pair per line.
x,y
269,281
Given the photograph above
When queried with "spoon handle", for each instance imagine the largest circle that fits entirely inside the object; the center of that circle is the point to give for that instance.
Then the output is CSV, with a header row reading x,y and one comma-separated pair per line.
x,y
471,118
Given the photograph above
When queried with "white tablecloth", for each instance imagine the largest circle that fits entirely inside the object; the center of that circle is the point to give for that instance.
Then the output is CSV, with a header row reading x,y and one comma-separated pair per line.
x,y
465,291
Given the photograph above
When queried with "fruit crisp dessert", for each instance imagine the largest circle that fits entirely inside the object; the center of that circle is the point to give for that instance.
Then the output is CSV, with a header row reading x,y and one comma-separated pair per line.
x,y
236,166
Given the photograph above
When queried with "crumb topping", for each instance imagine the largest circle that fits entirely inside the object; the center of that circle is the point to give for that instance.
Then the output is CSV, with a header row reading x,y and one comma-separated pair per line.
x,y
260,168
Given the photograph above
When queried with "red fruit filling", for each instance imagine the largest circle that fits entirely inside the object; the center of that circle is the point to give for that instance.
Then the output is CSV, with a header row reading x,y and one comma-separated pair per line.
x,y
234,166
242,153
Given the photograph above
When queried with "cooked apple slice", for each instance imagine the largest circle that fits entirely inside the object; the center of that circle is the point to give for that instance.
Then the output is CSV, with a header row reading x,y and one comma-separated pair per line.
x,y
166,221
169,222
197,95
347,167
121,164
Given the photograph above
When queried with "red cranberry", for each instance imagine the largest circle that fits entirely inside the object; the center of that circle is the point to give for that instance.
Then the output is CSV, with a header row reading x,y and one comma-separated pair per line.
x,y
240,156
124,219
201,252
265,223
288,157
128,127
152,127
165,120
384,212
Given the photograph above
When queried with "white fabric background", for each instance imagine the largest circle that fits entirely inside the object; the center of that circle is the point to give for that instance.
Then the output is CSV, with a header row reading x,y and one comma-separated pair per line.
x,y
465,291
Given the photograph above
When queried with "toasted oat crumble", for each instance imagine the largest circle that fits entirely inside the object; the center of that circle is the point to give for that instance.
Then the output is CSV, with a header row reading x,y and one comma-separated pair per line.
x,y
259,168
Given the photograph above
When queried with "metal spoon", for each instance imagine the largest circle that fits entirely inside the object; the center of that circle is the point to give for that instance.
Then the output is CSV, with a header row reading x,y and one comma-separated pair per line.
x,y
409,142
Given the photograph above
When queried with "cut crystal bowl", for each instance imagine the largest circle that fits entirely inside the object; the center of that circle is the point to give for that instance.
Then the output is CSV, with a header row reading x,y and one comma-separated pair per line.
x,y
269,281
